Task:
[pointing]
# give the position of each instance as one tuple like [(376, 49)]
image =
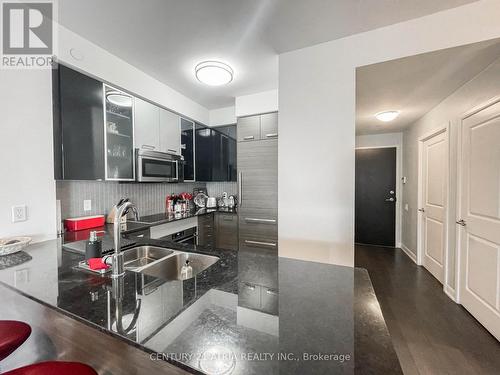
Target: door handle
[(391, 199), (240, 188), (263, 221), (270, 244), (461, 222), (421, 210)]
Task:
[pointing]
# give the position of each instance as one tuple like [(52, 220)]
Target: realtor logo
[(27, 34)]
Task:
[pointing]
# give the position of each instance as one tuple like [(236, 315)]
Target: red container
[(80, 223)]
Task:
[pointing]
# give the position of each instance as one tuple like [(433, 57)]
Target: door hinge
[(461, 222)]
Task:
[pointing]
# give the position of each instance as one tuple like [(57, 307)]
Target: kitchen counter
[(148, 221), (328, 320)]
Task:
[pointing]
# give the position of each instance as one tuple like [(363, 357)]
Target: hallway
[(431, 334)]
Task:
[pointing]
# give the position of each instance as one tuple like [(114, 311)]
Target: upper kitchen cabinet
[(147, 125), (269, 125), (78, 126), (203, 153), (253, 128), (215, 155), (248, 128), (119, 139), (170, 132), (93, 129), (187, 148)]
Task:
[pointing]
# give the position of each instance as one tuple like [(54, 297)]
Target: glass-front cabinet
[(119, 135)]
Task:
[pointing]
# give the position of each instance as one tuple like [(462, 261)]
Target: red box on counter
[(80, 223)]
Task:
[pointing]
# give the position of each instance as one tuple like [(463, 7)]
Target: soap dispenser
[(93, 247), (186, 271)]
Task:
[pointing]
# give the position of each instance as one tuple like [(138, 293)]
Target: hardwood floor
[(431, 333), (56, 336)]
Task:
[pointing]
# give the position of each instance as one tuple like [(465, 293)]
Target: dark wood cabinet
[(226, 234), (206, 230)]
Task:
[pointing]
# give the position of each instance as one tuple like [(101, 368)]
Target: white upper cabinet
[(147, 125), (170, 132)]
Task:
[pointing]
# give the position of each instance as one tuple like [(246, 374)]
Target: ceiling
[(166, 38), (414, 85)]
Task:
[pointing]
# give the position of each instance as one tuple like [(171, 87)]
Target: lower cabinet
[(206, 230), (257, 297), (226, 235)]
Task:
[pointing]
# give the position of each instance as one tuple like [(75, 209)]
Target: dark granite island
[(316, 319)]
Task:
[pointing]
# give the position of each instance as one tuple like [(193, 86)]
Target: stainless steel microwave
[(155, 166)]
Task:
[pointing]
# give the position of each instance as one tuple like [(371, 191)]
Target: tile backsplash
[(215, 189), (149, 198)]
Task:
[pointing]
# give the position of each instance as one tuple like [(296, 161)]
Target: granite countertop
[(328, 320)]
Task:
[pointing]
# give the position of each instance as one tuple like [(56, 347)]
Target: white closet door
[(480, 209), (434, 185)]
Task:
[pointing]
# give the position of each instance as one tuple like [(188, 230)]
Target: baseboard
[(451, 293), (409, 253)]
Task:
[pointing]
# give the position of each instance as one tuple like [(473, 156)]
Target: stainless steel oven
[(154, 166), (189, 236)]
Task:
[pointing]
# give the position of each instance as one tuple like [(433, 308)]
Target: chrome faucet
[(116, 259)]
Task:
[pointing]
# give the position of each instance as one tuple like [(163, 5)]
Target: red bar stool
[(12, 335), (54, 368)]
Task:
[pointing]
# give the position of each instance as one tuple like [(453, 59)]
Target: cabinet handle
[(174, 151), (264, 221), (148, 147), (248, 137), (270, 244), (271, 292), (271, 135), (251, 287), (240, 188)]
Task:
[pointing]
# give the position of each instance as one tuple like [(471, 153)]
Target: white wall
[(389, 140), (262, 102), (26, 170), (479, 90), (317, 123), (222, 116)]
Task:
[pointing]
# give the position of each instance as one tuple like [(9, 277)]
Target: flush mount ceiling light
[(214, 73), (119, 99), (387, 116)]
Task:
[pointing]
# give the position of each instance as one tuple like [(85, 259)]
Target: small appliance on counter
[(211, 202), (200, 200)]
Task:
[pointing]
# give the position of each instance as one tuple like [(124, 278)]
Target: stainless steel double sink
[(165, 263)]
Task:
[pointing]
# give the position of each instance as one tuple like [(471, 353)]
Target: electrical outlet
[(18, 213), (87, 205), (21, 277)]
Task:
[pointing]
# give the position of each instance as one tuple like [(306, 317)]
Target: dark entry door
[(376, 196)]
